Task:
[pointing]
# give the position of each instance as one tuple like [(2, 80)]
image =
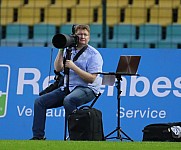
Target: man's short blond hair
[(82, 27)]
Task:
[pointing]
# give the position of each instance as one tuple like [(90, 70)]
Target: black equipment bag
[(85, 124), (168, 132)]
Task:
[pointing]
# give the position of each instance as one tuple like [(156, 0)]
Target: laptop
[(127, 66)]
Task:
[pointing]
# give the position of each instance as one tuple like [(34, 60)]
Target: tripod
[(118, 128)]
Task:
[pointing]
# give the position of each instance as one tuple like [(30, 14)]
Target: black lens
[(63, 40)]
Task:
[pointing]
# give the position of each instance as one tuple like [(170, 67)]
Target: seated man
[(83, 81)]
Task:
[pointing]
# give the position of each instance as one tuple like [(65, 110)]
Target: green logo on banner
[(2, 104), (4, 88)]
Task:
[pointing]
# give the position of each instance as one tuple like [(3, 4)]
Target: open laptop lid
[(128, 65)]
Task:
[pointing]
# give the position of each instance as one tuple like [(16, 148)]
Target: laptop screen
[(128, 64)]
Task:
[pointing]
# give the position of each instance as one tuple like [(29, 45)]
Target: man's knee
[(37, 102)]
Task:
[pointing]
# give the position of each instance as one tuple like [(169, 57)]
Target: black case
[(86, 124), (161, 132)]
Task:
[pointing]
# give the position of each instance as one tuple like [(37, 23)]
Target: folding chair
[(91, 105)]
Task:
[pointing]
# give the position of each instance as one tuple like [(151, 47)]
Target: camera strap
[(79, 53)]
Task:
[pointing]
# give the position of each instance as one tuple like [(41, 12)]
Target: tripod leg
[(110, 133), (126, 135), (118, 134)]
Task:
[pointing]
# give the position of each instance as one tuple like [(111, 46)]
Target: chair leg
[(65, 126), (65, 129)]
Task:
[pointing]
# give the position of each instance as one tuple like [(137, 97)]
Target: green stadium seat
[(42, 35), (165, 44), (123, 33), (15, 34), (149, 34), (96, 34), (140, 45), (66, 29), (173, 34)]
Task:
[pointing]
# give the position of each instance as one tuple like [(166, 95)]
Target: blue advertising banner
[(152, 97)]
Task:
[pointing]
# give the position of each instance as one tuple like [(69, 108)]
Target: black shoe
[(38, 138)]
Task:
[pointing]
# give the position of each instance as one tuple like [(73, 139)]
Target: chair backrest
[(6, 15), (28, 15), (169, 3), (64, 3), (150, 32), (17, 32), (143, 3), (96, 31), (11, 3), (55, 15), (37, 3), (161, 16), (90, 3), (66, 29), (43, 32), (173, 32), (135, 15), (112, 15), (82, 15), (117, 3), (124, 32)]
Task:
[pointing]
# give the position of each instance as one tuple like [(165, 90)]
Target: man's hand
[(69, 64)]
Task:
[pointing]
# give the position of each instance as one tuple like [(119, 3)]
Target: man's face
[(84, 36)]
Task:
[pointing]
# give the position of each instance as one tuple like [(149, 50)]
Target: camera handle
[(68, 57), (66, 70)]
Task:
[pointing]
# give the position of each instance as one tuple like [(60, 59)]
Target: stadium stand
[(179, 16), (112, 17), (37, 3), (143, 3), (6, 16), (96, 34), (161, 16), (172, 39), (64, 3), (42, 35), (149, 35), (169, 3), (122, 35), (131, 16), (1, 34), (29, 16), (81, 15), (16, 34), (135, 15), (55, 16), (66, 29), (117, 3), (89, 4), (11, 3)]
